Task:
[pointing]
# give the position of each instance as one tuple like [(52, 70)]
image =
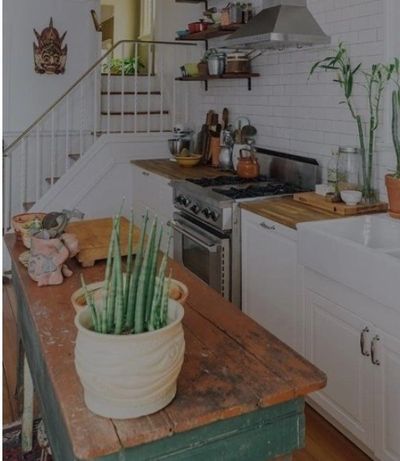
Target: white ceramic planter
[(127, 376)]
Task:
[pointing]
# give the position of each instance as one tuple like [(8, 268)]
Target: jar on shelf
[(349, 169)]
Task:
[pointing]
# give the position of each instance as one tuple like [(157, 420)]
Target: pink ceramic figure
[(47, 259)]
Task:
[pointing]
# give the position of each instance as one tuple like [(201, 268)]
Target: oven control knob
[(179, 199), (214, 215), (206, 212), (195, 208), (186, 201)]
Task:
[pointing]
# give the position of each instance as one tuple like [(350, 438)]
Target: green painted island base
[(271, 433)]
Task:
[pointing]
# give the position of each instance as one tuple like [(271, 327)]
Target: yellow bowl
[(188, 161)]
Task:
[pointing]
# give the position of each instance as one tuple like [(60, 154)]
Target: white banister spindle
[(7, 181), (122, 86), (161, 55), (38, 167), (23, 175), (95, 107), (53, 149), (136, 89), (109, 97), (149, 65), (67, 134), (81, 118)]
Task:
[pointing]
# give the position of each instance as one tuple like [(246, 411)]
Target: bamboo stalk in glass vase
[(373, 83), (392, 181)]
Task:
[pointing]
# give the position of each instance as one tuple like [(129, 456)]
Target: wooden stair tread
[(139, 112), (105, 74), (139, 93), (99, 133), (28, 205), (55, 179)]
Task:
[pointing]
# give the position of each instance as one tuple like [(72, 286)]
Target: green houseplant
[(392, 181), (128, 65), (130, 345), (374, 84)]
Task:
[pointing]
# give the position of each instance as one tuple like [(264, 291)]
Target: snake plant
[(137, 300), (374, 83)]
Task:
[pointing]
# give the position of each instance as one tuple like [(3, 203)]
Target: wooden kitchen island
[(240, 393)]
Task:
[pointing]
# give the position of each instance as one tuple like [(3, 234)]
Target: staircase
[(97, 104)]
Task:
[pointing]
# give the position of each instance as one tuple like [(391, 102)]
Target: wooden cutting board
[(94, 237), (318, 201)]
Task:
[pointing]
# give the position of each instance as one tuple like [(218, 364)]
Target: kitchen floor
[(323, 441)]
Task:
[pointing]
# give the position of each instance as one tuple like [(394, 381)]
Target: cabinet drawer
[(268, 225)]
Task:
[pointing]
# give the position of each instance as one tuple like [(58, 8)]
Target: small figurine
[(48, 256)]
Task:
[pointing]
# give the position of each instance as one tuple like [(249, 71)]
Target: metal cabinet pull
[(374, 360), (266, 226), (362, 342), (144, 173)]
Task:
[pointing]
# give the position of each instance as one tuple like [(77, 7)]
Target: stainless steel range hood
[(281, 24)]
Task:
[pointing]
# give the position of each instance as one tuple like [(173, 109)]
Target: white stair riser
[(129, 103), (141, 124), (143, 83)]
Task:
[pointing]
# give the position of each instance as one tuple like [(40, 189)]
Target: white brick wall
[(301, 116)]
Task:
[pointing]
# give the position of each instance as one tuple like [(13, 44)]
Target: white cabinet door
[(153, 193), (269, 262), (387, 396), (333, 343)]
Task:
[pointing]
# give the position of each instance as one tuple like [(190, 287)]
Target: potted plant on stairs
[(392, 181), (130, 345)]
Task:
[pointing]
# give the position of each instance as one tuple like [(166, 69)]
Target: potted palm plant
[(374, 83), (130, 344), (392, 181)]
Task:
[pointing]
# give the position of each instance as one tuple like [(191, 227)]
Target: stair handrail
[(82, 77)]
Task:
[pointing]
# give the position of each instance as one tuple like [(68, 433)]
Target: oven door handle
[(209, 246)]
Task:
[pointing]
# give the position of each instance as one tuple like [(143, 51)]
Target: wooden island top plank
[(232, 365), (171, 170)]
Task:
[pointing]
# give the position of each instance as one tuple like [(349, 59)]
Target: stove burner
[(226, 181), (258, 191)]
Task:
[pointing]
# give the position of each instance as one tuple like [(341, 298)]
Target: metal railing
[(99, 102)]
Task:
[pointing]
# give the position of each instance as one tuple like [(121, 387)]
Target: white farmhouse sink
[(373, 231), (361, 252)]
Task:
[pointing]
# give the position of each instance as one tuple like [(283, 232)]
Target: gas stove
[(211, 199), (207, 227), (227, 181)]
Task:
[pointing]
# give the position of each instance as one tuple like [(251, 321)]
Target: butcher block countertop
[(171, 170), (233, 369), (287, 211)]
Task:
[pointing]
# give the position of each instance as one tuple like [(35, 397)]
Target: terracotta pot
[(393, 191), (127, 376)]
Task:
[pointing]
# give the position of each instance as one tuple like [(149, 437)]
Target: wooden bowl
[(21, 222), (188, 161)]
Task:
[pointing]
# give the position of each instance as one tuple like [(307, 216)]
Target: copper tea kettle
[(248, 166)]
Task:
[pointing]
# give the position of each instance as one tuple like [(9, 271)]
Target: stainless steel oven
[(204, 251)]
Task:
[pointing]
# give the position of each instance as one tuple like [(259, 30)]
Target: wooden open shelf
[(211, 32), (206, 78)]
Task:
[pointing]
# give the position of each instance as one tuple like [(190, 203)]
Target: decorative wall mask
[(50, 57)]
